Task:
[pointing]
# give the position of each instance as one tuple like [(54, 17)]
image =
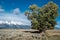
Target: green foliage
[(44, 17), (35, 23)]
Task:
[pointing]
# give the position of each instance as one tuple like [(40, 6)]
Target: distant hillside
[(12, 26)]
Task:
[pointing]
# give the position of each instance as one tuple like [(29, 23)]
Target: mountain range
[(13, 25)]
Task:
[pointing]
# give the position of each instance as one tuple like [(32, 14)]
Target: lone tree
[(43, 18)]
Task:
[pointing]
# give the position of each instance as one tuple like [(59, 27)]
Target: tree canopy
[(43, 17)]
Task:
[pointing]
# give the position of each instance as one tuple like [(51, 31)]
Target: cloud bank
[(15, 16)]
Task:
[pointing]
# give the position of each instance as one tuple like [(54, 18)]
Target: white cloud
[(14, 17), (1, 9), (58, 24), (16, 11)]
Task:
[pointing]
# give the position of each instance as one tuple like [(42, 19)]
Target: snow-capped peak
[(11, 22)]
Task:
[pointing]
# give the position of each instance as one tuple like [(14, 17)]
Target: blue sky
[(9, 8)]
